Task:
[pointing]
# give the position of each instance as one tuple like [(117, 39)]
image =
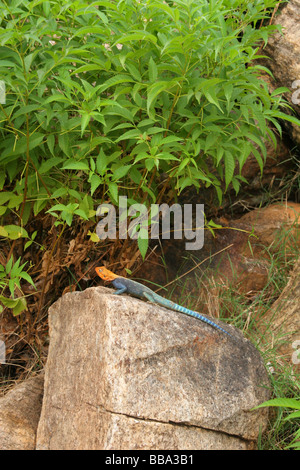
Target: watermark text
[(296, 353), (2, 92), (146, 223), (2, 352)]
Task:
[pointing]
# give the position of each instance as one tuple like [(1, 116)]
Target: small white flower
[(270, 367)]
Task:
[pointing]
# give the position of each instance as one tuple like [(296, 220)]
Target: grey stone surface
[(126, 374)]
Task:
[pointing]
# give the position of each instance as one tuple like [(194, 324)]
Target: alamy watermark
[(296, 353), (145, 223), (2, 352), (2, 92), (296, 93)]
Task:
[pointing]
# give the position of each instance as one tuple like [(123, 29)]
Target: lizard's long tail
[(179, 308)]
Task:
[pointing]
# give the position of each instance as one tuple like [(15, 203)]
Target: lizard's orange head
[(105, 274)]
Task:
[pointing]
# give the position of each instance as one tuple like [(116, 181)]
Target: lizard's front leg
[(120, 291), (119, 286)]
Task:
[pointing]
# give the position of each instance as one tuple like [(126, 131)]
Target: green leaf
[(2, 179), (143, 244), (93, 237), (48, 164), (280, 90), (7, 63), (88, 68), (121, 172), (120, 111), (12, 283), (101, 162), (20, 306), (212, 98), (81, 213), (64, 144), (136, 36), (21, 146), (51, 143), (59, 193), (134, 72), (258, 159), (115, 81), (219, 194), (14, 232), (10, 303), (154, 90), (39, 205), (27, 278), (220, 153), (182, 165), (229, 167), (295, 414), (46, 8), (284, 402), (150, 162), (85, 119), (114, 191), (184, 183), (170, 139), (173, 13), (57, 207), (133, 133), (27, 110), (90, 30), (210, 141), (75, 165), (135, 175), (166, 156), (286, 117), (152, 70), (95, 183), (5, 196), (15, 200), (57, 97), (9, 264)]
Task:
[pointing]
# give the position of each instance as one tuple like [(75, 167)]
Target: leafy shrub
[(110, 97), (101, 95)]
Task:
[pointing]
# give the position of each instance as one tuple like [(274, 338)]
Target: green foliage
[(116, 90), (290, 403), (10, 276), (104, 97)]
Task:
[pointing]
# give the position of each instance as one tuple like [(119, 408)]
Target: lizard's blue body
[(136, 289)]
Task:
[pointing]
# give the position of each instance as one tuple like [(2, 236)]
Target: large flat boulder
[(126, 374)]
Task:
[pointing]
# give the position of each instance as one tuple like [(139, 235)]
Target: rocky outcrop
[(247, 244), (19, 414), (126, 374), (283, 50), (281, 324), (272, 227)]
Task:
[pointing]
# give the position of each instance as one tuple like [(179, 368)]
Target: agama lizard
[(136, 289)]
